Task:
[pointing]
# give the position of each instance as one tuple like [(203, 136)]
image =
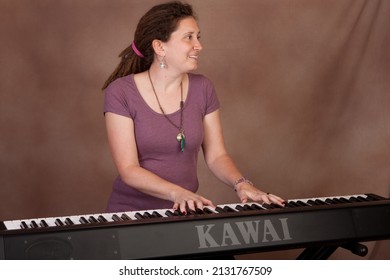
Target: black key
[(177, 213), (320, 202), (337, 200), (125, 217), (225, 209), (329, 201), (353, 199), (292, 204), (68, 222), (228, 209), (101, 219), (83, 220), (139, 216), (200, 211), (275, 206), (207, 211), (244, 207), (364, 198), (256, 207), (147, 215), (34, 224), (116, 218), (23, 225), (191, 213), (374, 197), (268, 206), (316, 202), (92, 220), (312, 202), (58, 222), (301, 203), (344, 200), (169, 213), (155, 214), (43, 223), (356, 199), (248, 207)]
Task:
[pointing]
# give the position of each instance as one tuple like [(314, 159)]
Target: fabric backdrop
[(304, 87)]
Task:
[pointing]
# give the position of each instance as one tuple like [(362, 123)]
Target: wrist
[(240, 181)]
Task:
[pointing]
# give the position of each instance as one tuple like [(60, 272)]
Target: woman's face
[(183, 48)]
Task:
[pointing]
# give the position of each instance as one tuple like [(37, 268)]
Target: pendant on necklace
[(182, 139)]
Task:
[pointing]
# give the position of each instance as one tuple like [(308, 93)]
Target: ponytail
[(130, 64)]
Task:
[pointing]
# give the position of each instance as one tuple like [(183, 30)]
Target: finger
[(277, 200), (183, 207), (207, 202), (191, 205), (275, 196), (175, 206), (265, 199), (202, 202), (199, 204), (244, 198)]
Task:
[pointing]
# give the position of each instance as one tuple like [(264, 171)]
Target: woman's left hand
[(246, 191)]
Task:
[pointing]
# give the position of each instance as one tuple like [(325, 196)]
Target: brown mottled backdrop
[(304, 87)]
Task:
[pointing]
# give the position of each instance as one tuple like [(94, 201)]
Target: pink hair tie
[(137, 52)]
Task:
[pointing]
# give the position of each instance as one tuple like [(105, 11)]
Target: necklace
[(180, 136)]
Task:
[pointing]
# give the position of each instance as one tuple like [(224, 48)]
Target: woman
[(158, 115)]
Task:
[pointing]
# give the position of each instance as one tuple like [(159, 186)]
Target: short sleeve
[(212, 102), (116, 99)]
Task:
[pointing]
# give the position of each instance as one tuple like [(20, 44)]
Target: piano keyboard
[(167, 213), (227, 229)]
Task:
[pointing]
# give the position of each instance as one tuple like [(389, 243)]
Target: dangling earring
[(163, 65)]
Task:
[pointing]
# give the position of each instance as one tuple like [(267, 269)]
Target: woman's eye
[(190, 37)]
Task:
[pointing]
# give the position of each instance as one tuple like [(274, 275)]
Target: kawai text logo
[(239, 233)]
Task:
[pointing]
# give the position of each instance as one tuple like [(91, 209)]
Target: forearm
[(149, 183), (225, 170)]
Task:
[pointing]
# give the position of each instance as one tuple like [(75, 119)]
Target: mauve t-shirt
[(158, 149)]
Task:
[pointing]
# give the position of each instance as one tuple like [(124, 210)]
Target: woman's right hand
[(185, 200)]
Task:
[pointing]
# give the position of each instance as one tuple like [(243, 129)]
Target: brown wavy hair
[(158, 23)]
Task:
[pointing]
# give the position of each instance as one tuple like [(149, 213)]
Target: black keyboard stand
[(324, 252)]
